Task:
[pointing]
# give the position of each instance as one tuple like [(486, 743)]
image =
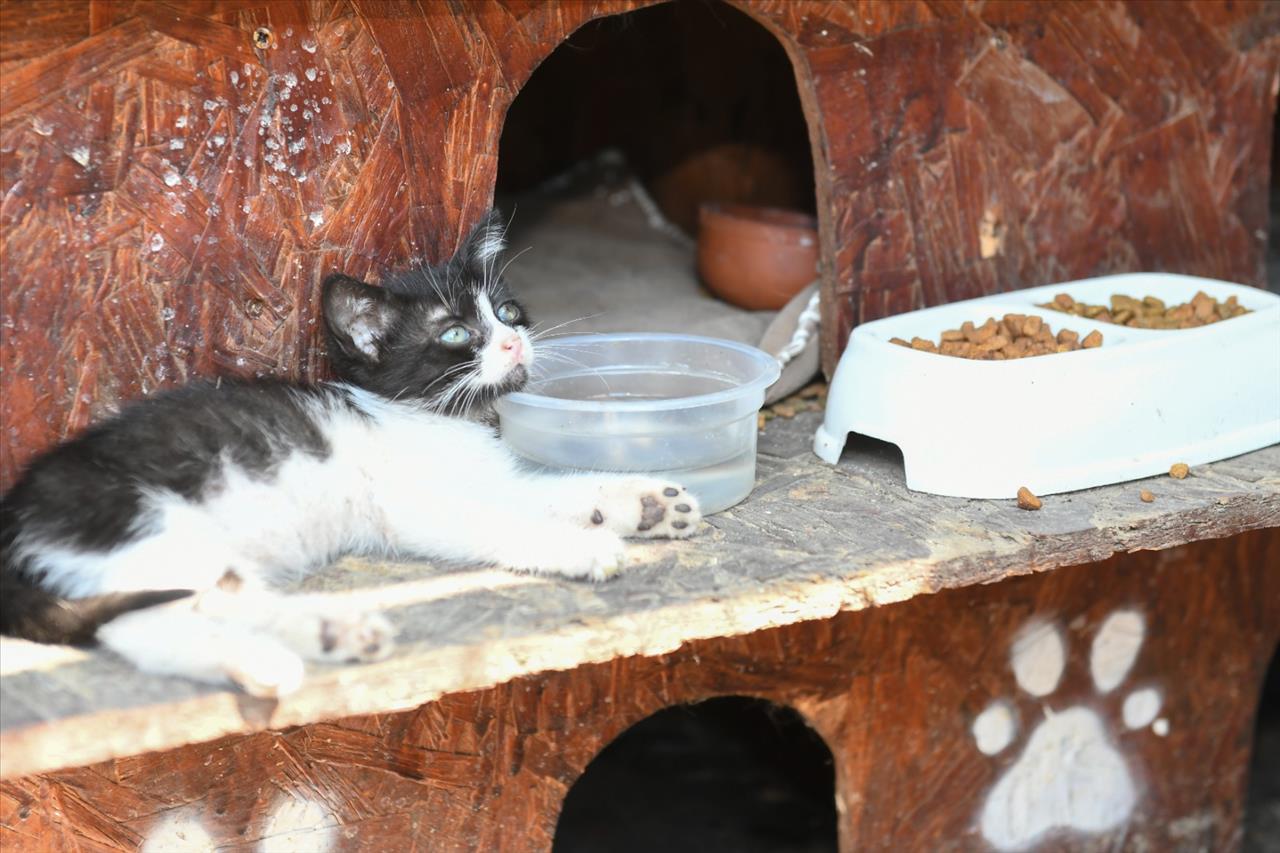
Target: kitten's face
[(452, 336)]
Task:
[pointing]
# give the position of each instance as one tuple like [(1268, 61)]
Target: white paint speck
[(81, 155), (290, 79), (297, 145), (994, 728), (1160, 727), (309, 44), (1038, 657), (172, 178), (218, 140), (311, 73), (210, 106), (180, 122), (1140, 707), (235, 77), (167, 314), (157, 243), (1116, 648), (177, 144), (317, 218), (41, 126)]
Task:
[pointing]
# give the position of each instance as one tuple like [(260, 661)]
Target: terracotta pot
[(756, 257)]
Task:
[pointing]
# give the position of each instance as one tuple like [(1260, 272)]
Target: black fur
[(410, 360), (87, 494)]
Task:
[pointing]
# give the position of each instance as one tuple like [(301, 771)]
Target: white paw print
[(1070, 774)]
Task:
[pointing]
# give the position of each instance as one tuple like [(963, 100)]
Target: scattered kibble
[(811, 398), (1146, 496), (1012, 336), (1150, 312), (1026, 500), (1179, 471)]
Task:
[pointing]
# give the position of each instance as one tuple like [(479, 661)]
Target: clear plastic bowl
[(680, 407)]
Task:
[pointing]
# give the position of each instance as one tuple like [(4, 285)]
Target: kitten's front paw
[(647, 508), (594, 555)]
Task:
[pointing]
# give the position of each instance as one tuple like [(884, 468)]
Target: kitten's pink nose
[(514, 346)]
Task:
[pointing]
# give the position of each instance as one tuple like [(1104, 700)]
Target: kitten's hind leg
[(631, 506), (176, 639), (314, 628)]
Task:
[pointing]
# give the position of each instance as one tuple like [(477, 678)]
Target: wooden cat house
[(179, 175)]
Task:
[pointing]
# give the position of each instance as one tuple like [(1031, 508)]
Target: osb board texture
[(811, 542), (892, 691), (172, 196)]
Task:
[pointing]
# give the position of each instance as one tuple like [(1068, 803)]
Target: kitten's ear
[(358, 315), (485, 242)]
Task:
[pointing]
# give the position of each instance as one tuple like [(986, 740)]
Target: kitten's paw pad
[(267, 673), (362, 638), (650, 509)]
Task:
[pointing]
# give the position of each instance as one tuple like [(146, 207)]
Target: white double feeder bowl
[(1130, 408)]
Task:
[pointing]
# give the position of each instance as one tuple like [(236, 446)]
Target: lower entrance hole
[(731, 773)]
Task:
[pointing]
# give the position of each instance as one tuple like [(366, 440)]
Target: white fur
[(491, 245), (496, 361), (397, 480)]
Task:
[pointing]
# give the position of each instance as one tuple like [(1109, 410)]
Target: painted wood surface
[(811, 542), (173, 193), (957, 721)]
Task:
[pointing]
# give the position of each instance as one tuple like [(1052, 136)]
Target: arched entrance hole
[(731, 773), (614, 142)]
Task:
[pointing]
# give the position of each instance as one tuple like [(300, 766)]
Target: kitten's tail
[(32, 613)]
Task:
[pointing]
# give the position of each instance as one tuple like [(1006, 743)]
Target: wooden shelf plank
[(812, 541)]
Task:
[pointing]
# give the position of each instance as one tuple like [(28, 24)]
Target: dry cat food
[(1012, 336), (1179, 471), (1026, 500), (1150, 312)]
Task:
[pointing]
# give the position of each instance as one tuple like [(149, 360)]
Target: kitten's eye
[(508, 312), (455, 336)]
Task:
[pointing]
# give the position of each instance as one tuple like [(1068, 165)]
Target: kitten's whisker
[(511, 259), (561, 357), (537, 334)]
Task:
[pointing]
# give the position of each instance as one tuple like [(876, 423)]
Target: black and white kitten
[(161, 533)]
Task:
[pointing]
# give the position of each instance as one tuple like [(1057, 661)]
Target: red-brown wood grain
[(172, 194), (894, 692)]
